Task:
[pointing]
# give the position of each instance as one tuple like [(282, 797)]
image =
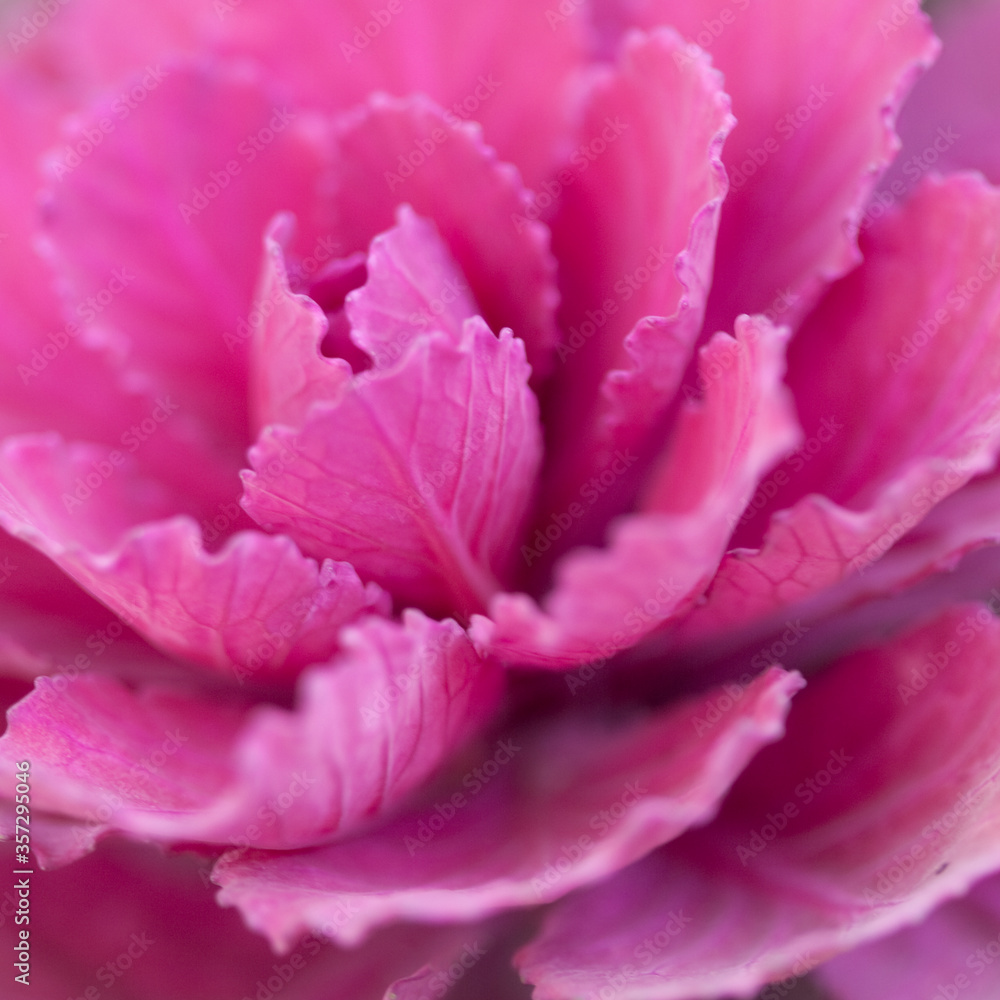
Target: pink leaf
[(335, 57), (658, 561), (150, 920), (288, 372), (895, 376), (543, 813), (160, 228), (413, 286), (634, 234), (420, 478), (371, 726), (392, 152), (256, 609), (816, 88), (879, 804), (952, 953)]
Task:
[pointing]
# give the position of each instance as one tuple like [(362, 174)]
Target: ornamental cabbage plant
[(499, 499)]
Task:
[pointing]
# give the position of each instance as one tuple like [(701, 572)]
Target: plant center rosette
[(421, 479)]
